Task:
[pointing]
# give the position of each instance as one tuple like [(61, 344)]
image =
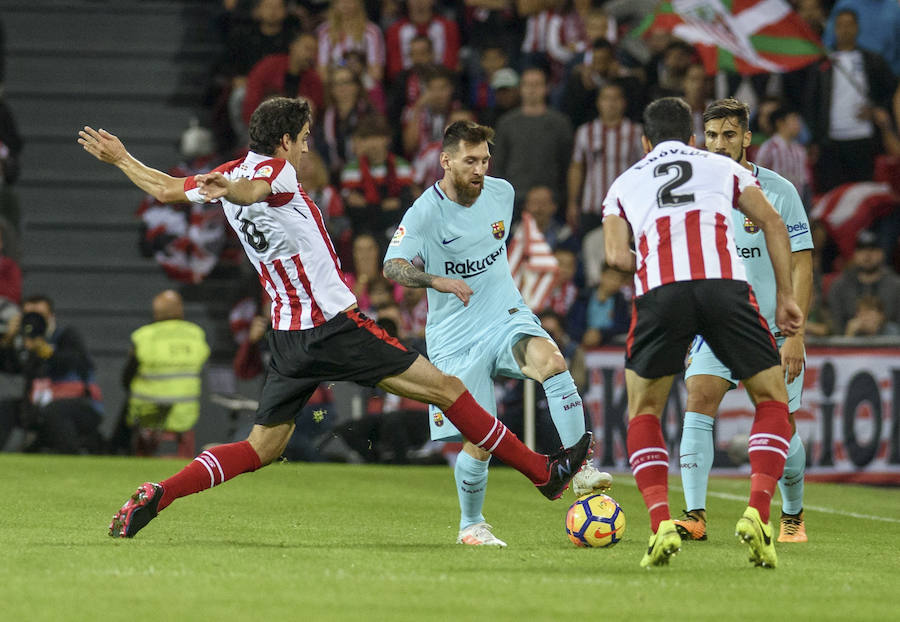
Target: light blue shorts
[(701, 360), (479, 365)]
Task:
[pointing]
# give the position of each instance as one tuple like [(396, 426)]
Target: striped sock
[(210, 468), (769, 442), (649, 461), (490, 434)]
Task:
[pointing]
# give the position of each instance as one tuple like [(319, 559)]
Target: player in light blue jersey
[(707, 379), (478, 325)]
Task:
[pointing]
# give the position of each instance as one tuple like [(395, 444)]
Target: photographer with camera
[(62, 407)]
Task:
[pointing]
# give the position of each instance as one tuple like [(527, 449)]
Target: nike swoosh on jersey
[(301, 213), (565, 397), (450, 240)]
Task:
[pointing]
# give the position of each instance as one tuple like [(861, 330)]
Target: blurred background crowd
[(563, 82)]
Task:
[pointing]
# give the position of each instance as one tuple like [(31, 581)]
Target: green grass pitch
[(340, 542)]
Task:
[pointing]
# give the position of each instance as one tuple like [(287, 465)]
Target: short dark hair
[(780, 113), (439, 72), (468, 132), (602, 43), (668, 118), (372, 125), (849, 10), (274, 118), (39, 298), (727, 108)]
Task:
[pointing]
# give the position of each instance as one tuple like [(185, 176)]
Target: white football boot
[(479, 534), (590, 481)]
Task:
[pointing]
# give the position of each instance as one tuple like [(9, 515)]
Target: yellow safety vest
[(165, 393)]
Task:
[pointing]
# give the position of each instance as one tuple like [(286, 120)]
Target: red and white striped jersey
[(605, 152), (285, 239), (788, 159), (678, 201), (333, 47)]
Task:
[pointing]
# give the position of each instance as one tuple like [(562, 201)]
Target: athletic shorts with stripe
[(724, 312), (349, 347), (702, 361)]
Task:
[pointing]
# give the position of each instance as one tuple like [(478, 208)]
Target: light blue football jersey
[(751, 242), (467, 243)]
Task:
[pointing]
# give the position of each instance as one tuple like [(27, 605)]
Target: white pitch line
[(814, 508)]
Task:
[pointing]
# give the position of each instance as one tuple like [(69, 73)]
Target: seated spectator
[(346, 29), (413, 316), (409, 84), (488, 23), (367, 269), (62, 404), (565, 292), (542, 205), (424, 122), (162, 374), (376, 185), (505, 87), (667, 76), (870, 320), (783, 154), (12, 384), (606, 310), (695, 90), (599, 68), (866, 275), (421, 19), (555, 325), (187, 240), (289, 75), (346, 103), (10, 275)]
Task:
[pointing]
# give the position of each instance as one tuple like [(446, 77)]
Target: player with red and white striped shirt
[(421, 20), (319, 333), (677, 203)]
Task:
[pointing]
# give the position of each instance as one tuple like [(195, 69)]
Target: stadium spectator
[(269, 31), (310, 350), (879, 25), (783, 154), (10, 273), (603, 312), (63, 404), (356, 62), (346, 29), (12, 384), (584, 81), (421, 19), (327, 197), (843, 91), (366, 269), (409, 84), (346, 104), (413, 317), (811, 12), (10, 151), (870, 320), (533, 144), (487, 23), (162, 376), (565, 291), (186, 240), (604, 149), (424, 121), (666, 76), (866, 275), (695, 90), (505, 87), (376, 185), (481, 95), (291, 75), (542, 205)]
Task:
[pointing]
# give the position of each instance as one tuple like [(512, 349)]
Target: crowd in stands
[(564, 84)]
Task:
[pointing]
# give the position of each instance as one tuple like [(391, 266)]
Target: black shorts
[(666, 319), (348, 347)]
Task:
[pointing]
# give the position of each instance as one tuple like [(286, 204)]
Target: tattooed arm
[(402, 272)]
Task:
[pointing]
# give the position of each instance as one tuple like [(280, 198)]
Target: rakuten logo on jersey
[(800, 227), (471, 267), (749, 253)]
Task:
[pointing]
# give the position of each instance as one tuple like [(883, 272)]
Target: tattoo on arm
[(403, 272)]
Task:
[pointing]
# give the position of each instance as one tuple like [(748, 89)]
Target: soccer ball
[(595, 521)]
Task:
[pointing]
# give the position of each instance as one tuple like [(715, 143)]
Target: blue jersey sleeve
[(409, 238), (786, 201)]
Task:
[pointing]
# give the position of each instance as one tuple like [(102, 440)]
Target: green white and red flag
[(743, 36)]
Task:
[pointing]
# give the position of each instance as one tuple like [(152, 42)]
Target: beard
[(465, 191)]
